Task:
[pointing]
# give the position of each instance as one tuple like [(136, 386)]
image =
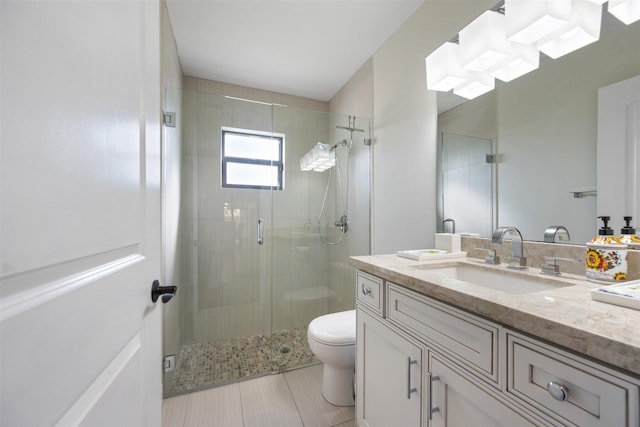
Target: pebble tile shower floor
[(203, 365)]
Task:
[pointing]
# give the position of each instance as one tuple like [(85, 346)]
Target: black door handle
[(167, 292)]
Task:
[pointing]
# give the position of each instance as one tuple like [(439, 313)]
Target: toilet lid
[(335, 328)]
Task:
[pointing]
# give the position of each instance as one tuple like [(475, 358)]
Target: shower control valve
[(343, 223)]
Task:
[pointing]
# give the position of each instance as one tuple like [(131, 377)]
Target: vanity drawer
[(471, 340), (591, 396), (370, 292)]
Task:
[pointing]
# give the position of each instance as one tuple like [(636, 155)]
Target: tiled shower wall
[(234, 287)]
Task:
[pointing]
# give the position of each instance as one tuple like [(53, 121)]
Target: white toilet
[(332, 339)]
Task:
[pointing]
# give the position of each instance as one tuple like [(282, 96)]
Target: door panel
[(389, 389), (619, 151), (461, 403), (80, 213)]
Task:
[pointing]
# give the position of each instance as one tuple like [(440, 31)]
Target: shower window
[(252, 159)]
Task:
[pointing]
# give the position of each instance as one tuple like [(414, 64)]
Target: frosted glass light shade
[(628, 11), (320, 158), (444, 71), (581, 30), (522, 59), (483, 43), (528, 21), (476, 85)]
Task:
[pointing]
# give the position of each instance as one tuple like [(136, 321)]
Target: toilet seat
[(335, 329)]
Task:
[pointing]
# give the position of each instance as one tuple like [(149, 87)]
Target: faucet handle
[(551, 267), (491, 257), (517, 262)]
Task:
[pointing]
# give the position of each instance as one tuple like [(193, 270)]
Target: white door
[(80, 213), (619, 152)]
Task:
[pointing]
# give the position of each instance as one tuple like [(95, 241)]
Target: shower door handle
[(260, 231)]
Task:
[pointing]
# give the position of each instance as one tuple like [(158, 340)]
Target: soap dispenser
[(606, 259), (628, 235)]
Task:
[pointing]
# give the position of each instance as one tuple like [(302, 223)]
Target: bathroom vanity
[(433, 349)]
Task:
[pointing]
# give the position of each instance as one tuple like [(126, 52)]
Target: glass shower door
[(466, 187)]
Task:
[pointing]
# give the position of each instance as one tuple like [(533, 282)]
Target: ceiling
[(307, 48)]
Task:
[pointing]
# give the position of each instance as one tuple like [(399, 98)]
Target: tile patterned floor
[(293, 399), (203, 365)]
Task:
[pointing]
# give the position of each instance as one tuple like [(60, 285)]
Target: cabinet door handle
[(409, 388), (558, 391), (432, 410), (365, 290)]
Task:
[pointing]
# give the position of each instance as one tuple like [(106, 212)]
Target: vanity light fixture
[(483, 43), (628, 11), (477, 84), (505, 42), (484, 47), (444, 68), (529, 21), (320, 158), (581, 30), (522, 59)]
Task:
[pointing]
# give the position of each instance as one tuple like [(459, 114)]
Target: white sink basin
[(500, 279)]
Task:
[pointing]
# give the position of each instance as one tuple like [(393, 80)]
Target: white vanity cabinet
[(421, 362)]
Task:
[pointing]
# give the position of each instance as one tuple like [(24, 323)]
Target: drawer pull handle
[(365, 290), (432, 410), (558, 391), (409, 388)]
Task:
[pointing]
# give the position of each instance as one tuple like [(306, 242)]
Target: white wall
[(354, 98), (405, 126)]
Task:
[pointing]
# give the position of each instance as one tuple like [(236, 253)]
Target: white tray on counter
[(624, 294), (429, 254)]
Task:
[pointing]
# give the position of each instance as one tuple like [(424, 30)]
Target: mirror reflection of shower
[(323, 157)]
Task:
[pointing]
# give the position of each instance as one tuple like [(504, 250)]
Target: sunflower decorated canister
[(606, 259)]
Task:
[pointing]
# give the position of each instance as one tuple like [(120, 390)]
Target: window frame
[(225, 160)]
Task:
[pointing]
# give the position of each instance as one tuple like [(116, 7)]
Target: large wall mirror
[(543, 132)]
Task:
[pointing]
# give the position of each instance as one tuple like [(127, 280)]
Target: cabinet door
[(389, 376), (456, 401)]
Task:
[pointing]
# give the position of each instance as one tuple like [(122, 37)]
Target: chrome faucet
[(517, 259), (453, 225), (553, 231)]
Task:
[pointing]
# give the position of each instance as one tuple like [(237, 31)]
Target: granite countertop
[(566, 316)]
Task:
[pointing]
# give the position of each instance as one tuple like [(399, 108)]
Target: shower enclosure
[(256, 262)]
